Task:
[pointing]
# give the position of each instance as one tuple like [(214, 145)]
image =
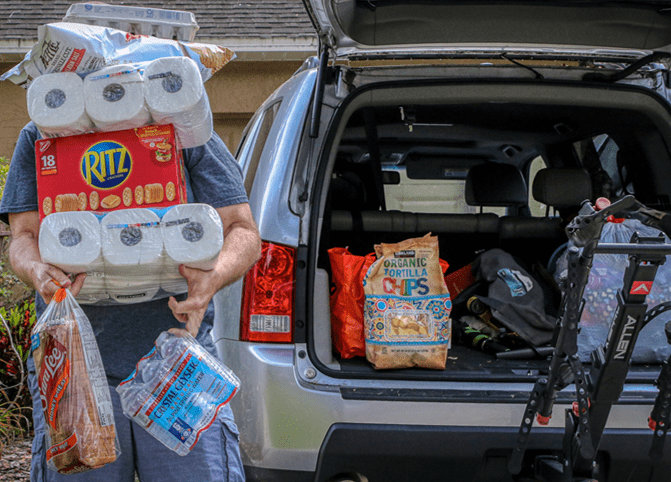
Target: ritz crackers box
[(106, 171)]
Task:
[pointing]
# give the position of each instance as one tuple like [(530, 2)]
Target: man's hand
[(46, 279), (202, 287), (242, 248), (24, 256)]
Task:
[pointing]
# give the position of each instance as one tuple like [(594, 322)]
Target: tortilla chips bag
[(407, 309)]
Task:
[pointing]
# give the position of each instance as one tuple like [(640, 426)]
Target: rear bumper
[(293, 428), (464, 454), (258, 474)]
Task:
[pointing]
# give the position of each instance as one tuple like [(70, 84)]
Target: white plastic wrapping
[(71, 241), (80, 48), (192, 235), (175, 94), (176, 391), (132, 250), (56, 105), (605, 280), (114, 98), (169, 91), (132, 255), (130, 238)]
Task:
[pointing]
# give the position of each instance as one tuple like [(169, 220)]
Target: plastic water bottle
[(176, 391)]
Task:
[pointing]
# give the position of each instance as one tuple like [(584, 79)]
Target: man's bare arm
[(24, 256)]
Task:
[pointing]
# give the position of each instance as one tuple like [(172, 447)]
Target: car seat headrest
[(562, 187), (495, 184)]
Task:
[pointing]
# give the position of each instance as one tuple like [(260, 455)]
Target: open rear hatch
[(416, 143), (575, 28)]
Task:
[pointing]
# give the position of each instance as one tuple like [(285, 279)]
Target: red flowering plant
[(15, 343), (17, 317), (15, 327)]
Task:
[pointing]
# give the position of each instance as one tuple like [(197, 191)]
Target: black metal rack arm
[(599, 389)]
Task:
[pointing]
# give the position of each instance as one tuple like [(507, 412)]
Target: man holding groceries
[(126, 333)]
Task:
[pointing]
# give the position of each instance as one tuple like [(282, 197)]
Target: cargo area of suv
[(462, 162)]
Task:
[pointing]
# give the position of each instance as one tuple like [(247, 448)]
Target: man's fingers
[(193, 325), (178, 331), (57, 279), (189, 305), (173, 304), (187, 272), (77, 284), (50, 282), (188, 312)]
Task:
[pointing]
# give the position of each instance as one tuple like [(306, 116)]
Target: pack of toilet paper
[(167, 90), (132, 255), (82, 48)]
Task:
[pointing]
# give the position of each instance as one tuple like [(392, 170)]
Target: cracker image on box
[(170, 191), (66, 202), (83, 201), (94, 200), (110, 202), (106, 171), (139, 195), (153, 193), (127, 196), (47, 205)]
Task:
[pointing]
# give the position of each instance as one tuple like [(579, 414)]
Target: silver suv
[(399, 128)]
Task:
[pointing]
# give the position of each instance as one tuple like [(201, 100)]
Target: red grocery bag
[(459, 280), (347, 297)]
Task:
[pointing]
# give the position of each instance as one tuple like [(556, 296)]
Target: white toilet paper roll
[(114, 98), (175, 94), (56, 105), (131, 237), (192, 235), (71, 241)]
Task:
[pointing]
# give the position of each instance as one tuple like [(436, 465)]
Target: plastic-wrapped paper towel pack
[(167, 90), (132, 255)]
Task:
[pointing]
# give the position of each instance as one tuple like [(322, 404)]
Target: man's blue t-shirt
[(125, 333)]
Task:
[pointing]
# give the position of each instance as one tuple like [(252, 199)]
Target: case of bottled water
[(176, 391)]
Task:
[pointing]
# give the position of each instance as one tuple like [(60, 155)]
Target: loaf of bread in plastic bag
[(76, 403)]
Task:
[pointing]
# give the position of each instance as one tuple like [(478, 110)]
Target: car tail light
[(268, 296)]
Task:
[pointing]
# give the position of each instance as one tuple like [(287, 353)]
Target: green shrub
[(14, 420), (4, 169), (17, 317), (15, 327)]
